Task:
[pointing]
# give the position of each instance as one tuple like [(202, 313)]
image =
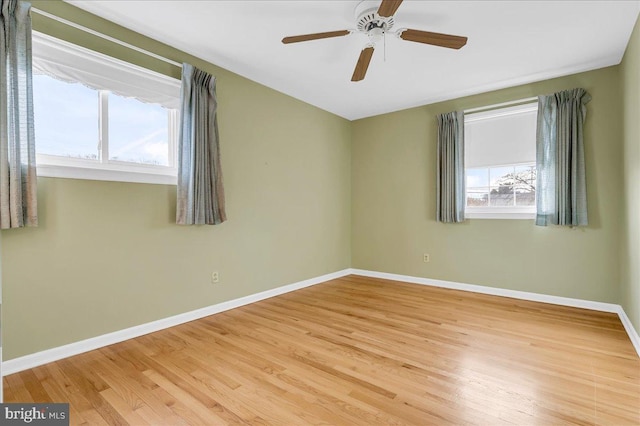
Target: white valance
[(72, 63)]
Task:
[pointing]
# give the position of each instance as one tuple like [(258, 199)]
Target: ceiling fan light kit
[(376, 20)]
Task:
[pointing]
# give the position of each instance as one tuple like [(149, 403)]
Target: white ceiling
[(510, 43)]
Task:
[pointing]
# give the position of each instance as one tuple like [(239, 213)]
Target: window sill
[(500, 215), (168, 177)]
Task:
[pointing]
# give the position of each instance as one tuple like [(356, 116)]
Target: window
[(500, 161), (100, 118)]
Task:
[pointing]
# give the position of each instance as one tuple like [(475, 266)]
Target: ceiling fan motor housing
[(369, 22)]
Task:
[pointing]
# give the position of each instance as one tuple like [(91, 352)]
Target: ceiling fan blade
[(315, 36), (388, 7), (436, 39), (363, 64)]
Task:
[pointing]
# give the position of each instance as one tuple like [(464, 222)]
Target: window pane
[(66, 118), (477, 187), (477, 177), (525, 185), (138, 132), (478, 196), (501, 193)]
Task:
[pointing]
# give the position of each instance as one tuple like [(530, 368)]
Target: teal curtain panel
[(561, 186), (200, 188), (450, 190), (18, 194)]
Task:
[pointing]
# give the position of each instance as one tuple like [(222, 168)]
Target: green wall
[(108, 255), (630, 258), (393, 204)]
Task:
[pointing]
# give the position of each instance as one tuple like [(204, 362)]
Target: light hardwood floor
[(358, 351)]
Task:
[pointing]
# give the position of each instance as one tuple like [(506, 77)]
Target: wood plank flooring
[(357, 351)]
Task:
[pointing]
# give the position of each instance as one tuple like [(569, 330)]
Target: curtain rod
[(503, 104), (105, 37)]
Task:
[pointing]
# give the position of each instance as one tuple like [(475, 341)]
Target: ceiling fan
[(376, 22)]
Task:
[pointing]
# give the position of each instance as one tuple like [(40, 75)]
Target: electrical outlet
[(215, 277), (425, 258)]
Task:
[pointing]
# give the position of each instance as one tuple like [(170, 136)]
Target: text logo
[(34, 414)]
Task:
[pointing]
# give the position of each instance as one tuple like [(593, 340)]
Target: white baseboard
[(515, 294), (631, 331), (50, 355), (39, 358)]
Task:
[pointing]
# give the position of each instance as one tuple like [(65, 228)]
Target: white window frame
[(501, 212), (104, 168)]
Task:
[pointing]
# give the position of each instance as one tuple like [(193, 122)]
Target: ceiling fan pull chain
[(384, 47)]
